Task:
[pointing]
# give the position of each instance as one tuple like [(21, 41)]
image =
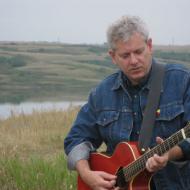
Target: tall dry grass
[(31, 151)]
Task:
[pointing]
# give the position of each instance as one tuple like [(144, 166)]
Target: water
[(6, 110)]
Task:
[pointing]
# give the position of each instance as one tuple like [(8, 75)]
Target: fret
[(187, 130), (178, 138), (172, 141), (167, 145), (183, 134)]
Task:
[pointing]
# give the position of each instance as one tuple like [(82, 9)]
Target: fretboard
[(139, 165)]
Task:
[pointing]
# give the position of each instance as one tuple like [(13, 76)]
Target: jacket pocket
[(107, 122), (107, 117), (169, 120), (170, 111)]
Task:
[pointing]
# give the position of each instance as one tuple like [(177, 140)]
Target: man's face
[(133, 57)]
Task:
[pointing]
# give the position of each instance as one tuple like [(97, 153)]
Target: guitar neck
[(139, 165)]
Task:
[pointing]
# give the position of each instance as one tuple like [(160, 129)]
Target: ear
[(112, 55), (149, 44)]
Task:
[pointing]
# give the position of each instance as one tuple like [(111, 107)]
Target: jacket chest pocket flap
[(107, 117), (169, 120), (170, 111)]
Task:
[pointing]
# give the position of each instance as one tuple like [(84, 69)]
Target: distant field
[(55, 71)]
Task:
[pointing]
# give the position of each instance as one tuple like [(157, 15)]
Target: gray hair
[(124, 28)]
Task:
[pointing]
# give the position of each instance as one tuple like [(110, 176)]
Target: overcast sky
[(86, 21)]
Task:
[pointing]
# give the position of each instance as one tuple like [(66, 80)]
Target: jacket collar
[(119, 82)]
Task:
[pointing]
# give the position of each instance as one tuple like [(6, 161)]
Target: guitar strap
[(152, 106)]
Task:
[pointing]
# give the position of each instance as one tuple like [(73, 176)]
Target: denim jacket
[(107, 117)]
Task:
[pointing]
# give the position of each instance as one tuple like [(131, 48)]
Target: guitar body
[(124, 154)]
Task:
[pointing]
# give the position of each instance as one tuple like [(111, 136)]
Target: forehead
[(136, 41)]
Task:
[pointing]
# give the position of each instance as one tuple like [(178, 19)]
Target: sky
[(86, 21)]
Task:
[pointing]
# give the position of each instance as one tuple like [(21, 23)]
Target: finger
[(113, 182), (108, 180), (148, 166), (152, 164), (157, 159), (159, 140), (161, 160), (108, 176), (155, 163), (108, 184)]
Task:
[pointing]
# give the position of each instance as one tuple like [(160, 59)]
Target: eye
[(139, 51), (125, 56)]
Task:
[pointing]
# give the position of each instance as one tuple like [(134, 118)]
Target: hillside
[(56, 72)]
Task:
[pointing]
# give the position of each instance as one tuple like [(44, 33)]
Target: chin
[(138, 79)]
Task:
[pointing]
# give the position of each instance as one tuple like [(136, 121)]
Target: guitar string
[(170, 142), (160, 150), (139, 164)]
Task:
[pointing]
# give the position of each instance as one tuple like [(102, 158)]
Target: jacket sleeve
[(84, 135), (185, 145)]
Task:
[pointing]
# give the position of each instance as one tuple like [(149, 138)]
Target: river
[(7, 109)]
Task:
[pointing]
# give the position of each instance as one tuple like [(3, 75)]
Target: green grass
[(36, 174), (31, 151)]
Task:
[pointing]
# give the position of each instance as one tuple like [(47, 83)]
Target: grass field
[(34, 72), (31, 151), (55, 71)]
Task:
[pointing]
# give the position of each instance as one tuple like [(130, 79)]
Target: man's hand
[(96, 180), (157, 162), (99, 180)]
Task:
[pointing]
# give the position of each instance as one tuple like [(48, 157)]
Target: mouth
[(135, 69)]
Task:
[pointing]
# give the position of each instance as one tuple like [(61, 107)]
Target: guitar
[(128, 163)]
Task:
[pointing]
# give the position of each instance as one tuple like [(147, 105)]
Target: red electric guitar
[(129, 165)]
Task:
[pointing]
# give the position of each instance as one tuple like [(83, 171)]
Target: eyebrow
[(141, 49)]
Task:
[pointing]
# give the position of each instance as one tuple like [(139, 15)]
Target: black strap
[(152, 106)]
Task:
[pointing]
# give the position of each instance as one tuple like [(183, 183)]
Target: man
[(114, 111)]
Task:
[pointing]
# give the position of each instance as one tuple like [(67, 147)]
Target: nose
[(133, 59)]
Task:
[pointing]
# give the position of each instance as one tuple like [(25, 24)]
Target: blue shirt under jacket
[(109, 116)]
